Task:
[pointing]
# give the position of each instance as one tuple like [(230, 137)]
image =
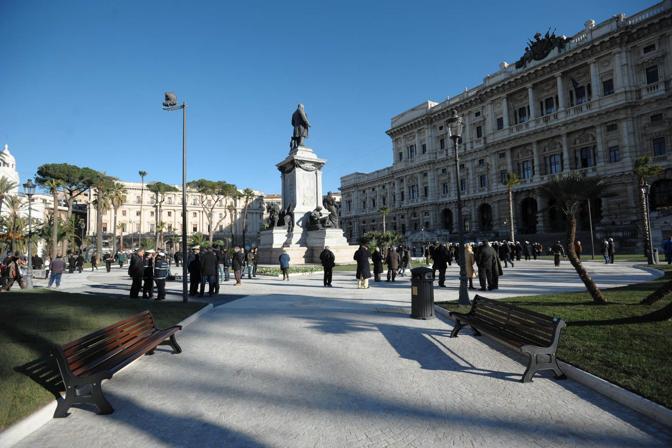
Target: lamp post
[(29, 191), (455, 124), (170, 104), (590, 224), (646, 190)]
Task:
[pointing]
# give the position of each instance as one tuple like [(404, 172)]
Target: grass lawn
[(634, 356), (29, 321)]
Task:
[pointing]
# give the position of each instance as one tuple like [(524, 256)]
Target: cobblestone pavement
[(294, 364)]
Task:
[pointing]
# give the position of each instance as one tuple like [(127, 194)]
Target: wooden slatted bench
[(531, 333), (87, 361)]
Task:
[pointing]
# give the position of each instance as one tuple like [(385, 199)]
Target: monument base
[(304, 247)]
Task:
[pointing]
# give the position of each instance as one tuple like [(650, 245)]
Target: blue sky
[(82, 81)]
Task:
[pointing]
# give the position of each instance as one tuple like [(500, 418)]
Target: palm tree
[(384, 211), (14, 223), (142, 174), (569, 192), (117, 199), (644, 169), (102, 184), (247, 195), (512, 180), (6, 186)]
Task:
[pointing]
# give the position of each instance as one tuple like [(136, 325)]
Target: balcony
[(655, 89)]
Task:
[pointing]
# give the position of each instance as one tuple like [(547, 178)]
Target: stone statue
[(540, 47), (289, 218), (272, 215), (301, 125), (281, 218), (330, 205), (318, 219)]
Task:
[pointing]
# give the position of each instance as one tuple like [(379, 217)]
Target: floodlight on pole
[(170, 104), (29, 191)]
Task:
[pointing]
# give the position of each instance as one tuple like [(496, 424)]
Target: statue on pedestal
[(289, 218), (318, 219), (301, 125), (330, 205), (272, 210)]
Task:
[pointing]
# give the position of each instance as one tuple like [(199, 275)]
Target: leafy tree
[(213, 194), (512, 180), (159, 189), (569, 192), (73, 180), (247, 195), (381, 239), (197, 239), (644, 169)]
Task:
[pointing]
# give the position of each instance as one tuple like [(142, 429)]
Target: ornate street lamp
[(455, 123), (170, 104), (29, 191)]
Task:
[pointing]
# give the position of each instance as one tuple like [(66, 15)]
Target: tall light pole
[(646, 190), (170, 104), (455, 124), (142, 174), (29, 191), (590, 224)]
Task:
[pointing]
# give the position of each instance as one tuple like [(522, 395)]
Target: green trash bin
[(422, 293)]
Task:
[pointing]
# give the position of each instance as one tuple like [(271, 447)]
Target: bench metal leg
[(456, 329), (476, 332), (89, 393), (549, 362), (173, 343)]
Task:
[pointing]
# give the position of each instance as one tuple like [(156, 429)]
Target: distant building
[(592, 103)]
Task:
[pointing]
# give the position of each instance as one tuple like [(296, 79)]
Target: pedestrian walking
[(611, 250), (255, 262), (667, 250), (283, 259), (469, 266), (56, 269), (392, 261), (161, 271), (208, 271), (363, 273), (440, 260), (377, 259), (237, 263), (557, 250), (80, 263), (578, 248), (94, 262), (136, 270), (107, 258), (328, 261), (148, 275), (486, 263), (194, 269)]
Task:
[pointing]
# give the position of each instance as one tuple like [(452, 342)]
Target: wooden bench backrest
[(537, 328), (85, 353)]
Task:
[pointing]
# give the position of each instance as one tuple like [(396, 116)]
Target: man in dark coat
[(377, 259), (148, 277), (363, 274), (557, 250), (527, 250), (237, 264), (72, 261), (485, 262), (328, 262), (80, 263), (392, 261), (441, 263), (301, 125), (208, 270), (194, 268), (136, 270)]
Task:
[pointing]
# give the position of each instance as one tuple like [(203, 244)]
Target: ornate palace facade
[(591, 103)]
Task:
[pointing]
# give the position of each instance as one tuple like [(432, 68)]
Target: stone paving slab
[(298, 365)]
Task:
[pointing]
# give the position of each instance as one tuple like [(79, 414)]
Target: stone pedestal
[(301, 173)]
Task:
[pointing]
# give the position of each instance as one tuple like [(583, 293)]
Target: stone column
[(560, 86), (532, 101), (509, 162), (466, 136), (431, 182), (417, 142), (537, 164), (600, 150), (565, 153), (397, 194), (629, 149), (616, 64), (541, 206), (490, 111), (595, 80), (429, 138), (505, 111)]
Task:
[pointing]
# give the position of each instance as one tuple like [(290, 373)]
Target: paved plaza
[(294, 364)]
